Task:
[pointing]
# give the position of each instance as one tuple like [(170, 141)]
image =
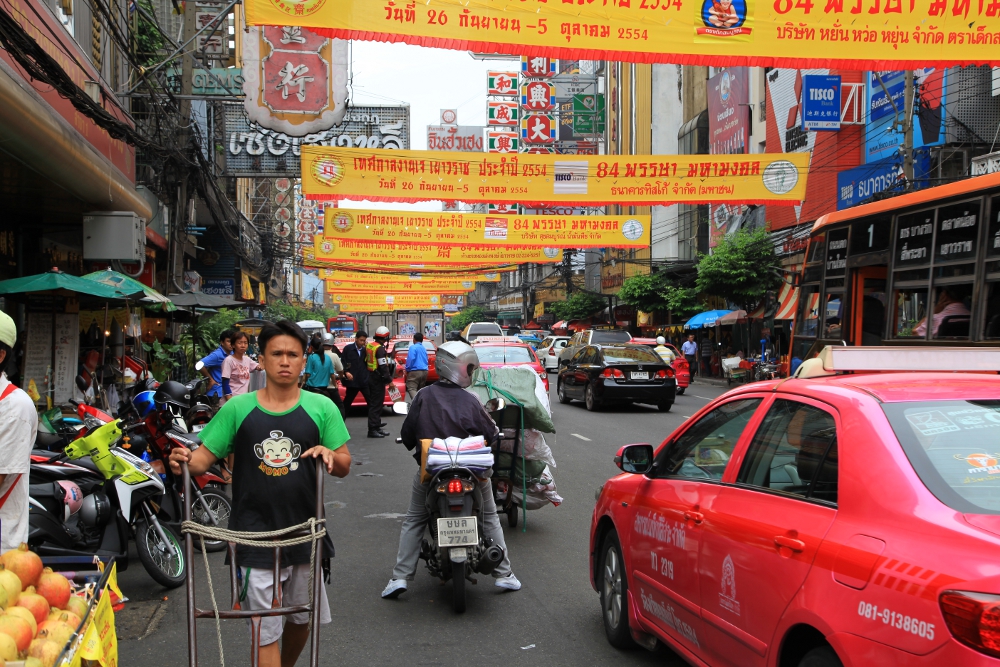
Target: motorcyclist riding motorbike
[(443, 410), (380, 371)]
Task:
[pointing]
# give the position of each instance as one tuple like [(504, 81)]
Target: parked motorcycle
[(121, 496), (457, 548)]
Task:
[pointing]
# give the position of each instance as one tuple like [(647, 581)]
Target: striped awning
[(788, 298)]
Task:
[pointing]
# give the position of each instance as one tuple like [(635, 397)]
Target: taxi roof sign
[(838, 359), (497, 339)]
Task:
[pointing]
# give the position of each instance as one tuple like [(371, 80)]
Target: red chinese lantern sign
[(501, 84), (295, 80), (538, 128), (501, 141), (502, 113), (535, 67), (538, 96)]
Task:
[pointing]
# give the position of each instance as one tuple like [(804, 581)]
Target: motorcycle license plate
[(640, 376), (394, 394), (197, 427), (458, 532)]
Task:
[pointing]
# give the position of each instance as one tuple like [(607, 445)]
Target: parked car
[(549, 351), (476, 329), (398, 379), (399, 346), (506, 351), (849, 516), (617, 373), (682, 369), (531, 339), (594, 336)]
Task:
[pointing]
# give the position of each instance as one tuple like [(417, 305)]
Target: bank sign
[(858, 185), (820, 102)]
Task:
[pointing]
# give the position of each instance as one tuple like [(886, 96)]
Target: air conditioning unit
[(111, 235)]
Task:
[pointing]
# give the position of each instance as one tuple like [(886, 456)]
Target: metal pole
[(908, 128), (189, 577), (317, 607)]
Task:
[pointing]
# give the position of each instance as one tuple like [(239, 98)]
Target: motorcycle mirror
[(400, 408), (198, 366), (82, 384), (495, 404)]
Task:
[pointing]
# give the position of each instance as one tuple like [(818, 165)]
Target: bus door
[(868, 300)]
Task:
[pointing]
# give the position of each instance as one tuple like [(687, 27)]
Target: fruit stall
[(50, 619)]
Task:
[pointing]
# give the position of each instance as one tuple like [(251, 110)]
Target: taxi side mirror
[(635, 459)]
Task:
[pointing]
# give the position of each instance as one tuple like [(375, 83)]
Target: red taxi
[(682, 369), (847, 516), (399, 346), (497, 351), (398, 380)]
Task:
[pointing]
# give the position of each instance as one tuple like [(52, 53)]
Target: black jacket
[(444, 410), (354, 363)]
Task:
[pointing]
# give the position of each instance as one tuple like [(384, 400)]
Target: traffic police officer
[(380, 371)]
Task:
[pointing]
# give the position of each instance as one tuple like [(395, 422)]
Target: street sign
[(216, 81), (501, 84), (588, 114), (536, 67), (538, 128), (538, 96), (502, 112), (820, 102), (502, 141)]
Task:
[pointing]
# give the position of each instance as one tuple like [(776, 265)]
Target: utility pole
[(182, 221), (908, 127)]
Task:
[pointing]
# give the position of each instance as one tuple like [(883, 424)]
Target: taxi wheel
[(561, 393), (680, 391), (824, 656), (592, 402), (614, 593)]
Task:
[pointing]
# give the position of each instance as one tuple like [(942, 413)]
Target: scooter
[(124, 502), (457, 548)]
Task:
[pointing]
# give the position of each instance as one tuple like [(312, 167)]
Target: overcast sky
[(428, 80)]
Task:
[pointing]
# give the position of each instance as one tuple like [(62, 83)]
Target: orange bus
[(919, 269)]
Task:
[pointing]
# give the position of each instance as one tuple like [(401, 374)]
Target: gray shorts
[(296, 588)]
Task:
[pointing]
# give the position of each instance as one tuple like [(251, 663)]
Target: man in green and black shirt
[(273, 433)]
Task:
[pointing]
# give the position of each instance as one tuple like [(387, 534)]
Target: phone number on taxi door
[(900, 621)]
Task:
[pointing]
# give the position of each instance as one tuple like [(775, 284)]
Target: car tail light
[(552, 351), (974, 619), (613, 372), (664, 373)]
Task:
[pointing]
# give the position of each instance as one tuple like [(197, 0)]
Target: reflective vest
[(371, 349)]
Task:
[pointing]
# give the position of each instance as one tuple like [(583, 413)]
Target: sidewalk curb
[(714, 382)]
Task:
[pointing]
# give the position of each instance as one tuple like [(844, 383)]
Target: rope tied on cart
[(260, 539), (490, 388)]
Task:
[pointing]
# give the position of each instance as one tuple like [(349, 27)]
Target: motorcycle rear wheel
[(166, 570), (458, 587), (220, 505)]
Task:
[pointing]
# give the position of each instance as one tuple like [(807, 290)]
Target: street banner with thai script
[(408, 274), (512, 231), (856, 34), (382, 301), (347, 250), (400, 285), (309, 261), (330, 172)]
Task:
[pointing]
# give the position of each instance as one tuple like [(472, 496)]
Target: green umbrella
[(57, 282), (126, 285)]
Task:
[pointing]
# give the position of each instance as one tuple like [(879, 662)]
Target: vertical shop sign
[(820, 102)]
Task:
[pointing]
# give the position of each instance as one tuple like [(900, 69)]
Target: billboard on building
[(883, 137), (728, 100)]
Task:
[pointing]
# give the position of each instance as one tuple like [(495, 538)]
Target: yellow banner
[(330, 250), (397, 285), (379, 302), (856, 34), (330, 172), (512, 231), (349, 275)]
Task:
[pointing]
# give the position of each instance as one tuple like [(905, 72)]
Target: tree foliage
[(465, 318), (657, 293), (742, 269), (578, 306)]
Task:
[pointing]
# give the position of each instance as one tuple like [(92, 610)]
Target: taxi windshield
[(954, 448), (503, 354)]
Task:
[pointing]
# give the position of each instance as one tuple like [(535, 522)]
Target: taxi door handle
[(789, 543), (697, 517)]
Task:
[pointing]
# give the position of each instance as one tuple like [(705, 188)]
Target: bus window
[(991, 327), (910, 309), (834, 316), (951, 317), (807, 322), (816, 248)]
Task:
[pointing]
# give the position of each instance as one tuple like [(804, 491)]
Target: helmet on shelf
[(456, 362)]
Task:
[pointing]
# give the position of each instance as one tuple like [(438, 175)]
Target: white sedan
[(548, 351)]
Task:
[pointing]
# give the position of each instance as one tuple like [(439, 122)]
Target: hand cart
[(509, 420), (313, 532), (733, 369)]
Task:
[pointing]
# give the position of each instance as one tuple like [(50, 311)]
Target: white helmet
[(456, 362), (660, 340), (328, 338), (382, 333)]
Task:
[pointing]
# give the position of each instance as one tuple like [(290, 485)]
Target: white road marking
[(386, 515), (577, 435), (704, 398)]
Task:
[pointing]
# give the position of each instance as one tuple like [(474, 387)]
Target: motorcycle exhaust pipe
[(492, 557)]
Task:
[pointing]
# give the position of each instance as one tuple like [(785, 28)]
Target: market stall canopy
[(732, 317), (561, 324), (126, 285), (201, 300), (706, 319), (57, 282)]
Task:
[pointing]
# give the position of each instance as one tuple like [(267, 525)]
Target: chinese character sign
[(502, 141), (502, 112), (538, 96), (538, 128), (820, 102), (501, 84), (851, 34), (295, 80)]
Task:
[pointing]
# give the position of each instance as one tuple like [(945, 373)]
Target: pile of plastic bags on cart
[(535, 472), (469, 453)]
